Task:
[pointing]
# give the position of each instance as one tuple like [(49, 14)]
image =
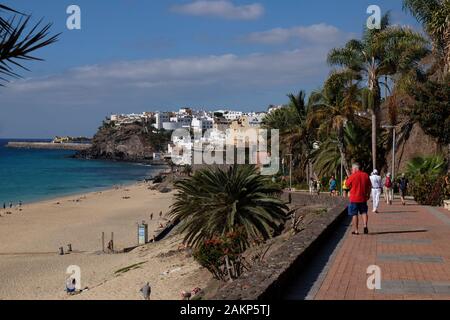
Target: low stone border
[(267, 279)]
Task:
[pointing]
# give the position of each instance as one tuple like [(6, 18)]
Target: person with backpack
[(387, 189)]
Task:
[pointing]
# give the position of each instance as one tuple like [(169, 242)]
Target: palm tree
[(327, 158), (298, 103), (291, 121), (356, 141), (332, 108), (435, 18), (17, 44), (215, 202), (384, 52), (428, 182), (432, 167), (431, 110), (187, 170)]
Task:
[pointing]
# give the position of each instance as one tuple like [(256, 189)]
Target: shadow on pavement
[(308, 281), (398, 232)]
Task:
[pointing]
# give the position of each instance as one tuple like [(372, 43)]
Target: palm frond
[(18, 40)]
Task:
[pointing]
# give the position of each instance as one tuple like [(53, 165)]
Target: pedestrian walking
[(146, 291), (312, 186), (387, 189), (375, 180), (345, 190), (360, 188), (403, 188), (332, 186), (318, 187)]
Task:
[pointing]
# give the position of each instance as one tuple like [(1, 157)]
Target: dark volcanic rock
[(131, 143)]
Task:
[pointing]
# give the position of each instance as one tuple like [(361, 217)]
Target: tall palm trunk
[(375, 103), (374, 139)]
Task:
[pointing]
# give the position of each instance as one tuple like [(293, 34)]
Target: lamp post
[(290, 171), (342, 176)]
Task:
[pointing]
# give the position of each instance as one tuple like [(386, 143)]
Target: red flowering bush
[(222, 256)]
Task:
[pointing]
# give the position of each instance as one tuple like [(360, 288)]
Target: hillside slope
[(133, 143)]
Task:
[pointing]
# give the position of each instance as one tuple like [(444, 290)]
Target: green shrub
[(427, 180), (427, 190)]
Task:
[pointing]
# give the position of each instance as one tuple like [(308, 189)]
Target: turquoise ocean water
[(31, 175)]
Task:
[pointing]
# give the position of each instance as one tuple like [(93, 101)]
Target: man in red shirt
[(360, 188)]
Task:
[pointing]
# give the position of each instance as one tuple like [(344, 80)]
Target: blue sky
[(139, 55)]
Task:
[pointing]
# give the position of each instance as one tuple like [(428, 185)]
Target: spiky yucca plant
[(215, 202)]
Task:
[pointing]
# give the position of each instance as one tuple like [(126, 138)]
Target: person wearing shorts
[(345, 190), (360, 189)]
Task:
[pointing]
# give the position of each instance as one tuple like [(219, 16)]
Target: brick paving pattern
[(410, 244)]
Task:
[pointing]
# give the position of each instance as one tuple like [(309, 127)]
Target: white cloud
[(221, 8), (192, 72), (316, 33), (75, 102)]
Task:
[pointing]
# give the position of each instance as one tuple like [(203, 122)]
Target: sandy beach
[(31, 268)]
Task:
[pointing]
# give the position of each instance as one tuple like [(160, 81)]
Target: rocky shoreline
[(129, 143)]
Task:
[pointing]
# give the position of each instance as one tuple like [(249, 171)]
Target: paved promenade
[(411, 245)]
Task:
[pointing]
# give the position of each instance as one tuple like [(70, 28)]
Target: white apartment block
[(183, 120), (204, 123), (160, 119), (232, 115), (256, 119)]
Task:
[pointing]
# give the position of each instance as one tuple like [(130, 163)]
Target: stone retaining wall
[(266, 280)]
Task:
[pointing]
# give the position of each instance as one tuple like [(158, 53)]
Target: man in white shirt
[(377, 186)]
